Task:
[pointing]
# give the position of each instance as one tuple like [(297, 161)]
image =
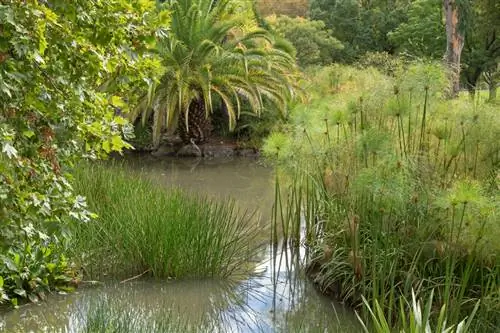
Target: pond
[(275, 298)]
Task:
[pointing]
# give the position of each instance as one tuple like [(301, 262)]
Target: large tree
[(454, 22), (423, 34), (481, 54), (209, 60)]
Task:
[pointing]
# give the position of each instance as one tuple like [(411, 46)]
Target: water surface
[(276, 298)]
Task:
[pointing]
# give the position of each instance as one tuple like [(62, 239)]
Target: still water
[(276, 298)]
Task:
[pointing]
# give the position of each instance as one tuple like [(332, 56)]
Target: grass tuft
[(142, 227)]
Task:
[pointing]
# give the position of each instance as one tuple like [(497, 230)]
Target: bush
[(63, 71), (314, 44)]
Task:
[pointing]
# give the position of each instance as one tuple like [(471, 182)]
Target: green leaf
[(106, 146), (20, 292), (10, 264), (51, 267), (28, 133), (117, 101), (117, 143), (1, 282)]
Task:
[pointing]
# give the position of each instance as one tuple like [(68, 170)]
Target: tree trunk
[(492, 77), (454, 43), (199, 125), (492, 92)]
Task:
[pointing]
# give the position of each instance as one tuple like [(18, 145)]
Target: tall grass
[(398, 191), (167, 233)]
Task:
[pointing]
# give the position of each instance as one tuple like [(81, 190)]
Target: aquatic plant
[(105, 315), (165, 232), (400, 195), (417, 320)]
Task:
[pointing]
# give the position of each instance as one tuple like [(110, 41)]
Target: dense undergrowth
[(397, 188), (167, 233)]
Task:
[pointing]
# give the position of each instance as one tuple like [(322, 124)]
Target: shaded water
[(276, 298)]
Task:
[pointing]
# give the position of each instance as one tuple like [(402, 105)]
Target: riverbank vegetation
[(64, 69), (143, 228), (397, 188), (391, 172)]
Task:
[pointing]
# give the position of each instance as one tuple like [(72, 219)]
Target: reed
[(168, 233)]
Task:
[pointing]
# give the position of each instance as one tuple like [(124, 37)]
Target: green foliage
[(210, 62), (361, 26), (382, 61), (33, 269), (419, 320), (423, 34), (142, 227), (313, 43), (481, 54), (64, 69), (398, 189)]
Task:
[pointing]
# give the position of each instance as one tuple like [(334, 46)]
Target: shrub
[(63, 71), (314, 44)]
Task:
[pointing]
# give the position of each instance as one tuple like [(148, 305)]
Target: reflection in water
[(277, 298)]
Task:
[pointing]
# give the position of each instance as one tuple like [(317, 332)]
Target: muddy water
[(276, 298)]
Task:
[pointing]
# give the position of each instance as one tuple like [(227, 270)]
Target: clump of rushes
[(106, 315), (403, 196), (167, 233)]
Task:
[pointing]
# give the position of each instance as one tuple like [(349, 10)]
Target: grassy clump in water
[(142, 227), (398, 190), (106, 315)]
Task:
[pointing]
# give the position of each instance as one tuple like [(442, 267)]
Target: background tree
[(481, 54), (361, 26), (312, 41), (454, 12), (209, 60), (423, 34)]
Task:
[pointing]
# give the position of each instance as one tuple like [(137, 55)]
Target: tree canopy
[(313, 42)]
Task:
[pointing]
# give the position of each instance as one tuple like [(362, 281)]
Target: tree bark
[(454, 43), (492, 77), (199, 125), (492, 93)]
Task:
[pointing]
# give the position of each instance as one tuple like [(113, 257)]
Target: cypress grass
[(407, 219)]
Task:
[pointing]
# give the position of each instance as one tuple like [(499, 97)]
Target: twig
[(136, 277)]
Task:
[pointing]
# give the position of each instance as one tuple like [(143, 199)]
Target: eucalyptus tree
[(211, 61)]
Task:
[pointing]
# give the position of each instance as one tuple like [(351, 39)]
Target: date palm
[(209, 61)]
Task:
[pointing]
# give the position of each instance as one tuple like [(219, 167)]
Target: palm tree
[(210, 61)]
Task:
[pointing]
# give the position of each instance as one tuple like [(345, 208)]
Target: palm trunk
[(198, 127)]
